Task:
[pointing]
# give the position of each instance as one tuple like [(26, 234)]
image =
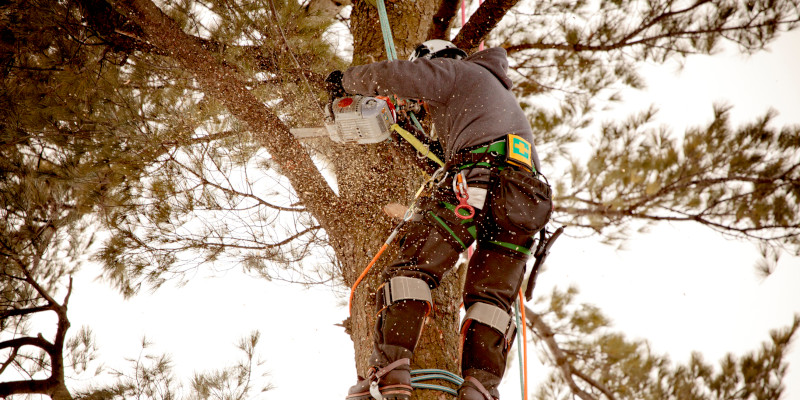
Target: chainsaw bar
[(305, 133)]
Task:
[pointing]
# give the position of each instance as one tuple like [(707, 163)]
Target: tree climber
[(492, 167)]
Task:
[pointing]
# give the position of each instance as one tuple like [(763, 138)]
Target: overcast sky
[(681, 287)]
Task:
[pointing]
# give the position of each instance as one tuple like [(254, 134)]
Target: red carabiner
[(460, 189), (462, 205)]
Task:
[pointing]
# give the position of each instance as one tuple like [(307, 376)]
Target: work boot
[(479, 385), (483, 362), (396, 333), (388, 380)]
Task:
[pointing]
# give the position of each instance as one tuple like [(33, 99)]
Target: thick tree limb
[(23, 311), (326, 8), (125, 36), (443, 19), (38, 386), (39, 342), (481, 23)]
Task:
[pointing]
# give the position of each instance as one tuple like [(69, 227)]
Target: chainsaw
[(354, 119)]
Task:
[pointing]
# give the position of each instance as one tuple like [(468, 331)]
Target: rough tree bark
[(439, 344)]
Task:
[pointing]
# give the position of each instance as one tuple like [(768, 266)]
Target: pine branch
[(628, 40), (588, 379), (124, 35), (54, 385), (547, 334), (231, 191), (221, 82)]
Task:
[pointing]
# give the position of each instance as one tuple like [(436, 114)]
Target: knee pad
[(402, 288), (403, 305), (493, 317)]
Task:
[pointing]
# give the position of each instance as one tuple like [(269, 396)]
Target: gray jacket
[(470, 100)]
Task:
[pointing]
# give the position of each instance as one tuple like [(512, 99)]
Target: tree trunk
[(439, 345)]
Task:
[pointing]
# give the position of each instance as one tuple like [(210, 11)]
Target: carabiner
[(460, 189)]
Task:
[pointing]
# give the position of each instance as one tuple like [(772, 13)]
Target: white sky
[(683, 288)]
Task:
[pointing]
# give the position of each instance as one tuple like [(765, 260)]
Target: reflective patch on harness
[(518, 152), (493, 317), (405, 288)]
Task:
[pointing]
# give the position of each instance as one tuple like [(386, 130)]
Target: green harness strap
[(388, 40)]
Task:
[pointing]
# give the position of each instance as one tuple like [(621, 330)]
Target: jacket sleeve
[(428, 80)]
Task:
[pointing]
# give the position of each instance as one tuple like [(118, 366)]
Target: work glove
[(333, 84)]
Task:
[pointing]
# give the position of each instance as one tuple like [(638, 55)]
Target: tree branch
[(481, 23), (24, 311), (588, 379), (221, 82), (39, 289), (10, 360), (547, 334), (443, 19), (577, 47), (38, 341)]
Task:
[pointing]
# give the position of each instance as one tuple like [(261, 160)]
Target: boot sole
[(391, 392)]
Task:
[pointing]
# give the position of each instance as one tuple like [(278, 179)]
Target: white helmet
[(436, 48)]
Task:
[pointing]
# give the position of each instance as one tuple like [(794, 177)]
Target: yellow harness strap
[(421, 147)]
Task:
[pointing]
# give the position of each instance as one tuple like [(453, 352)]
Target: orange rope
[(524, 342), (363, 274)]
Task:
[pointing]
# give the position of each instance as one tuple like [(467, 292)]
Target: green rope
[(388, 41)]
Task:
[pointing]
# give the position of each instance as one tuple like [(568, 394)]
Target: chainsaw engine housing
[(360, 119)]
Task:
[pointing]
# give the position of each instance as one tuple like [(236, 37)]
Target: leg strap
[(477, 385), (491, 316), (404, 288)]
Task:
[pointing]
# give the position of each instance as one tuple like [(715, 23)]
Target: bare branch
[(10, 360), (38, 341), (24, 311)]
